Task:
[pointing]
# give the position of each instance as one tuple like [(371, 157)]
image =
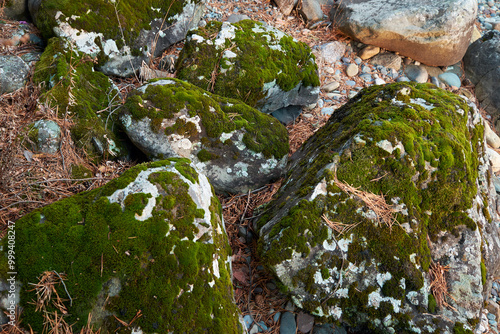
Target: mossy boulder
[(122, 33), (415, 152), (252, 62), (236, 146), (152, 240), (87, 98)]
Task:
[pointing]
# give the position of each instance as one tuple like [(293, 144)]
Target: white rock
[(494, 157), (492, 138)]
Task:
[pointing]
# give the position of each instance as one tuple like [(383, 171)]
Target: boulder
[(15, 10), (436, 33), (121, 34), (13, 73), (44, 136), (236, 146), (252, 62), (394, 187), (148, 248), (71, 85), (482, 67)]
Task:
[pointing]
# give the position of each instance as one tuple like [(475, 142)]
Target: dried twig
[(438, 286)]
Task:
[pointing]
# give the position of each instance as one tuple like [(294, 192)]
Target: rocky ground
[(342, 75)]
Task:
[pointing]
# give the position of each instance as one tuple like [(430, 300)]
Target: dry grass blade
[(384, 212), (46, 289), (13, 326), (438, 286), (89, 329), (55, 324)]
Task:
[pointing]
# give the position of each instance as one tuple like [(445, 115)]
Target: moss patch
[(409, 142), (262, 133), (243, 77), (71, 85), (161, 267)]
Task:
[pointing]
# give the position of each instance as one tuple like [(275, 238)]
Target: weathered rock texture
[(252, 62), (423, 149), (482, 67), (152, 240), (121, 34), (237, 147), (71, 85), (435, 33), (13, 73)]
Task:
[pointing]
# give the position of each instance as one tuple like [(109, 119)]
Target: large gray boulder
[(482, 67), (393, 185), (436, 33), (237, 147), (252, 62), (121, 34), (149, 249)]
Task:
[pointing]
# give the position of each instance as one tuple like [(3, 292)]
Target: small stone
[(346, 60), (379, 81), (435, 81), (254, 329), (496, 183), (451, 79), (350, 83), (490, 316), (352, 94), (388, 60), (288, 325), (276, 317), (496, 286), (383, 71), (320, 103), (416, 73), (494, 157), (366, 77), (352, 70), (329, 70), (271, 285), (327, 111), (357, 60), (248, 320), (331, 86), (492, 138), (368, 52), (305, 322), (262, 326), (493, 323), (402, 79)]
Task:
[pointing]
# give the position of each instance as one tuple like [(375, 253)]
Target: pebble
[(327, 111), (435, 81), (248, 320), (357, 60), (331, 86), (402, 79), (496, 286), (288, 325), (320, 103), (352, 94), (451, 79), (346, 60), (388, 60), (276, 317), (416, 73), (368, 52), (494, 160), (490, 316), (493, 140), (350, 83), (305, 322), (365, 69), (379, 81), (366, 77), (271, 285), (352, 70)]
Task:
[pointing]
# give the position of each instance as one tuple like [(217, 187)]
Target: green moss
[(80, 172), (459, 329), (432, 200), (257, 63), (483, 272), (204, 155), (163, 271), (70, 84), (183, 166), (432, 306), (262, 133)]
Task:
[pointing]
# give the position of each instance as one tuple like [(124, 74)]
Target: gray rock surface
[(416, 73), (120, 46), (236, 146), (482, 67), (433, 32), (250, 61), (13, 73), (388, 60), (367, 273), (329, 53), (15, 10), (46, 136)]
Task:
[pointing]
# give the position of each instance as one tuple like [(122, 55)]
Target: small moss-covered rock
[(71, 85), (252, 62), (152, 240), (420, 147), (236, 146), (122, 33)]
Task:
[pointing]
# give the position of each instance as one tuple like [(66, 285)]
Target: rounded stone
[(352, 70), (331, 86), (416, 73), (450, 79), (368, 52), (288, 324)]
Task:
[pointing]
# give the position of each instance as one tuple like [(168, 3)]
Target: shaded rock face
[(436, 33), (121, 34), (15, 10), (152, 240), (481, 63), (252, 62), (237, 147), (70, 82), (423, 149), (45, 136), (13, 73)]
